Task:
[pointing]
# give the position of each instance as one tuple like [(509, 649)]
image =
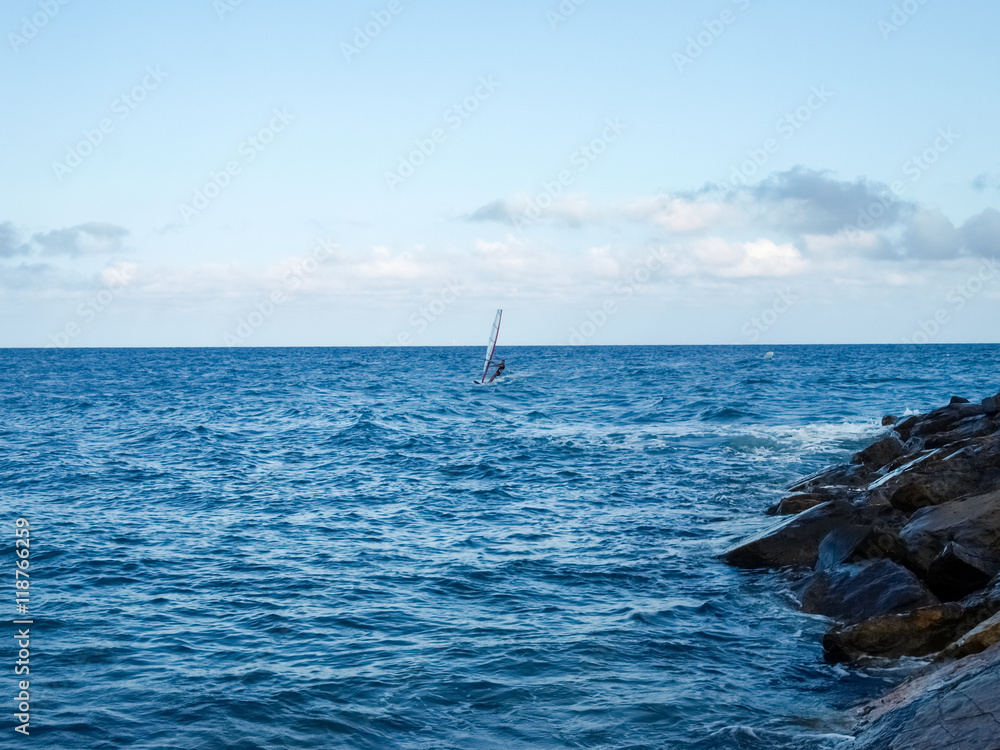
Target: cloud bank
[(777, 227), (92, 238)]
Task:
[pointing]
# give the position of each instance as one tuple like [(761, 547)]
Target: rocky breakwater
[(901, 549)]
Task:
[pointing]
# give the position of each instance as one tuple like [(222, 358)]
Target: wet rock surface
[(958, 571), (901, 550), (919, 632), (965, 530), (795, 541), (955, 707), (881, 453), (852, 593)]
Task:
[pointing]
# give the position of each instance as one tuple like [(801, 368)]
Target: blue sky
[(735, 171)]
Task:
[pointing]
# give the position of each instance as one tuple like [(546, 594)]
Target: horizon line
[(479, 346)]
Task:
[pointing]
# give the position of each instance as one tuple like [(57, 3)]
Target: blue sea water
[(359, 548)]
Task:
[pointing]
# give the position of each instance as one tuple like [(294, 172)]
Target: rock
[(943, 419), (991, 405), (964, 430), (840, 545), (793, 504), (958, 572), (835, 480), (917, 490), (987, 601), (950, 708), (920, 632), (943, 474), (888, 420), (976, 640), (923, 631), (958, 400), (882, 541), (880, 453), (904, 428), (852, 593), (974, 523), (794, 541)]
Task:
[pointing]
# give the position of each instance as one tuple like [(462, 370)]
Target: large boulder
[(991, 405), (973, 523), (966, 429), (794, 541), (923, 488), (957, 571), (951, 708), (944, 419), (881, 452), (943, 474), (920, 632), (852, 593)]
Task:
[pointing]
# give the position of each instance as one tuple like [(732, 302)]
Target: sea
[(360, 548)]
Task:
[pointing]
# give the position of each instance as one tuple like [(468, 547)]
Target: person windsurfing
[(499, 370)]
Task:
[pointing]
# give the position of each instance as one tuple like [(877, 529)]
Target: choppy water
[(358, 548)]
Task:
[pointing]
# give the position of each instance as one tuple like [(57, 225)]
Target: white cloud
[(747, 259), (119, 272), (683, 214), (384, 265), (600, 262)]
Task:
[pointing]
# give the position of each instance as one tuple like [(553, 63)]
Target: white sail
[(491, 347)]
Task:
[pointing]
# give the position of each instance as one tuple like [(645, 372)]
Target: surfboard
[(490, 348)]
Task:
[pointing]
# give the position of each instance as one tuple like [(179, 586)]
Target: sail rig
[(491, 347)]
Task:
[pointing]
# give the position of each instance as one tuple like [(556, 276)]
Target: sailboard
[(491, 347)]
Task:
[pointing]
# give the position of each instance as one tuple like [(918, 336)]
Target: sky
[(251, 173)]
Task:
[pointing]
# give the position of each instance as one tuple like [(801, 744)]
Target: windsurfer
[(499, 370)]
